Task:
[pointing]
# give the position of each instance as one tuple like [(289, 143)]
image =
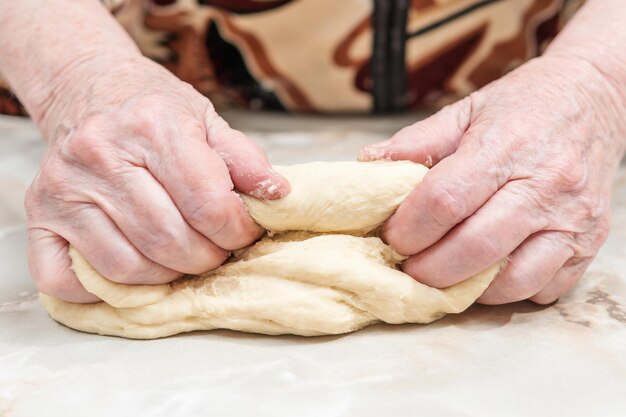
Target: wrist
[(88, 84), (42, 42), (613, 73), (595, 36), (601, 96)]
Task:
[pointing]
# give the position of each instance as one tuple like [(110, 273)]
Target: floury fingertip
[(268, 189), (372, 153)]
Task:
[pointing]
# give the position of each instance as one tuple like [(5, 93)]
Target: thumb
[(247, 162), (426, 142), (50, 266)]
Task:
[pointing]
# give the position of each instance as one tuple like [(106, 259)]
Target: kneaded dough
[(320, 270)]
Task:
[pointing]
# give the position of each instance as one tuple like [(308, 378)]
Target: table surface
[(522, 359)]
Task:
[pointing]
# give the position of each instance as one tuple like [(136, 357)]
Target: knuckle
[(163, 241), (142, 124), (524, 288), (517, 287), (587, 243), (87, 147), (53, 283), (48, 184), (567, 173), (500, 289), (483, 248), (209, 107), (447, 208), (49, 285), (32, 198), (212, 216), (52, 180), (602, 230), (578, 265), (146, 119), (218, 129), (118, 268), (543, 299), (595, 208), (586, 228), (165, 236), (129, 270)]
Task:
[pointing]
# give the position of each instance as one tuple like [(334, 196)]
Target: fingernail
[(268, 189), (371, 153)]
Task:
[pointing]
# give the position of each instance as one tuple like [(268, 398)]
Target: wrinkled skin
[(140, 179), (521, 169)]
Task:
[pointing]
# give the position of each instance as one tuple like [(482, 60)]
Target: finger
[(482, 240), (147, 216), (449, 193), (199, 183), (247, 162), (426, 142), (563, 281), (529, 269), (104, 246), (50, 266)]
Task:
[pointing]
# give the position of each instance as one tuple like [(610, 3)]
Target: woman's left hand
[(521, 169)]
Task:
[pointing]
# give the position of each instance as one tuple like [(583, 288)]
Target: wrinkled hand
[(522, 167), (139, 176)]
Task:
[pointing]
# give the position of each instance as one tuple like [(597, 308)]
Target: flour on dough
[(321, 269)]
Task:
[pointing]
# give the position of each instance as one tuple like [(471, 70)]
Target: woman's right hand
[(139, 176)]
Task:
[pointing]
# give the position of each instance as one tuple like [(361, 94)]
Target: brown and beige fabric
[(337, 56)]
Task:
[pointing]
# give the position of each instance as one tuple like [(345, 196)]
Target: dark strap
[(388, 67)]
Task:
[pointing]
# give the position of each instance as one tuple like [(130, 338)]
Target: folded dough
[(320, 270)]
